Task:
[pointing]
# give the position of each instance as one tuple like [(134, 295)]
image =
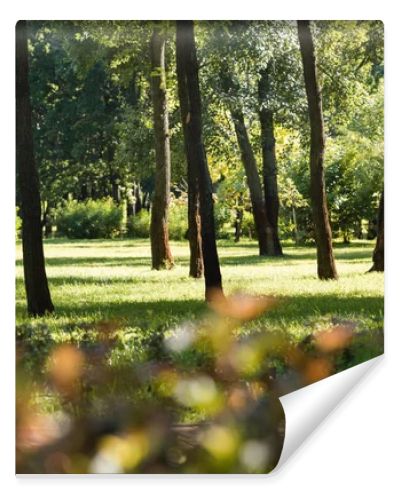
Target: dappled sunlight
[(86, 287)]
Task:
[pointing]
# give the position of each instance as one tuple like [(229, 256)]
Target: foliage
[(89, 219), (18, 225), (138, 226), (93, 118), (178, 219), (248, 227), (224, 218)]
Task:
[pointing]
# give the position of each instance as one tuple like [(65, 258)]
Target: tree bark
[(36, 286), (196, 267), (187, 60), (253, 181), (269, 163), (323, 234), (378, 257), (161, 255)]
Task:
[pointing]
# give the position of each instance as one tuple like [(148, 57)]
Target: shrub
[(224, 219), (178, 220), (248, 227), (138, 226), (89, 219)]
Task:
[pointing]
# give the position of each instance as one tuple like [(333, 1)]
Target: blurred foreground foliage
[(198, 399)]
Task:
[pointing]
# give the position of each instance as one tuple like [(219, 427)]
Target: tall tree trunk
[(196, 267), (323, 234), (36, 286), (378, 257), (269, 163), (161, 255), (187, 60), (253, 181)]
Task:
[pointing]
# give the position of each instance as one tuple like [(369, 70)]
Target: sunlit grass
[(99, 280)]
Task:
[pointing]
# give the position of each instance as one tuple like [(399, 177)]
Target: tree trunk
[(323, 234), (138, 198), (295, 228), (378, 256), (161, 255), (196, 267), (47, 221), (269, 164), (36, 286), (253, 181), (130, 204), (238, 224), (187, 60)]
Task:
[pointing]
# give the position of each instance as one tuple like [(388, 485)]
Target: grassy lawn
[(134, 382), (103, 280)]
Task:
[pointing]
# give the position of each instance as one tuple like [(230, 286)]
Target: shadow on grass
[(94, 261), (161, 314), (356, 256), (148, 315)]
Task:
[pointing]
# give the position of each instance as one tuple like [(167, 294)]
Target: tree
[(161, 255), (378, 256), (323, 235), (253, 181), (269, 163), (36, 286), (196, 267), (189, 80), (231, 89)]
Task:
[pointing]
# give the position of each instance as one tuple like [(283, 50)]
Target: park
[(199, 231)]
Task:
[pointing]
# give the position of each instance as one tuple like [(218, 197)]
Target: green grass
[(99, 280)]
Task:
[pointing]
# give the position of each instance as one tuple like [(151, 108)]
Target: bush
[(178, 220), (248, 227), (138, 226), (89, 219), (224, 219)]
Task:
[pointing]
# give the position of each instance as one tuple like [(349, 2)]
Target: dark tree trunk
[(138, 198), (196, 267), (36, 286), (130, 205), (322, 228), (253, 181), (115, 192), (161, 255), (47, 221), (378, 257), (238, 224), (269, 164), (187, 60)]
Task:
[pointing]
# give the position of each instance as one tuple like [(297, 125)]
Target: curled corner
[(306, 408)]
